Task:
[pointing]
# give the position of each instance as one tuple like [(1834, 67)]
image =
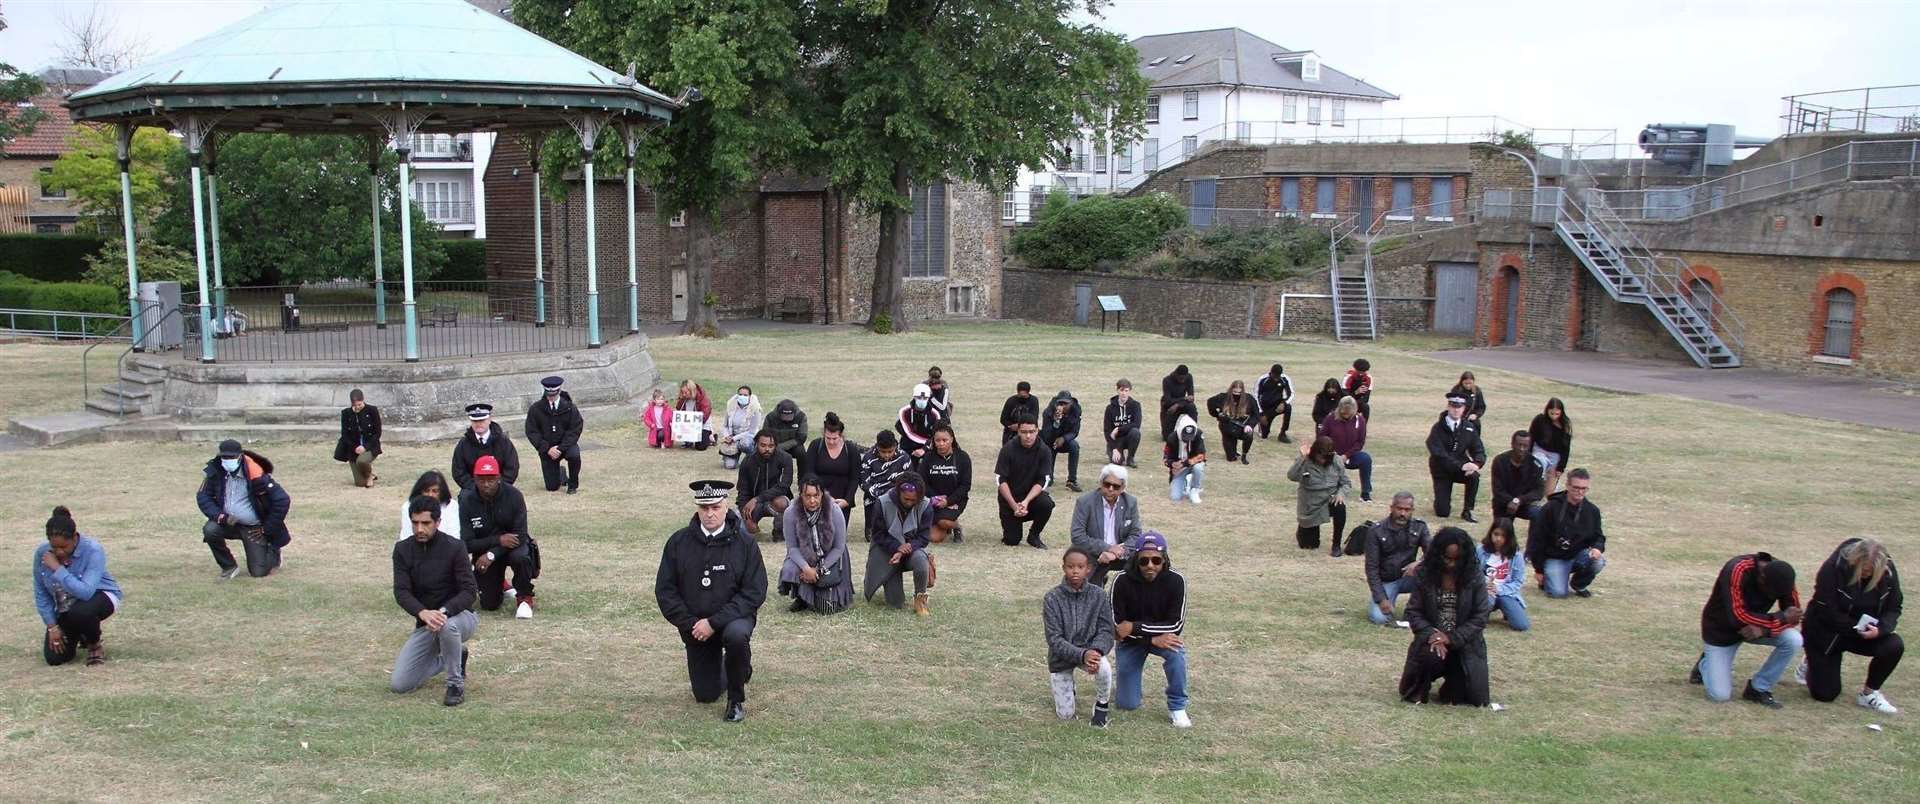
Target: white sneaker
[(524, 612), (1872, 699), (1193, 496), (1180, 719), (1800, 674)]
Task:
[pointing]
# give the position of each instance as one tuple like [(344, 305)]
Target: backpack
[(1357, 538)]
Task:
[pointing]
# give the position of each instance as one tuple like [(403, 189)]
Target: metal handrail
[(119, 362), (1735, 188), (13, 319)]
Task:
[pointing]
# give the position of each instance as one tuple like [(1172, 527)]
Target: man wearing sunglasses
[(1106, 523), (1149, 614)]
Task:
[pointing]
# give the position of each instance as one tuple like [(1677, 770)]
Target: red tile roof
[(51, 136)]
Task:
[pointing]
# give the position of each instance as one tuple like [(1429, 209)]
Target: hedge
[(72, 297), (1096, 230), (49, 258), (466, 260)]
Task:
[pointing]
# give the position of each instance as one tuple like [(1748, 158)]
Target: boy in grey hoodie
[(1079, 627)]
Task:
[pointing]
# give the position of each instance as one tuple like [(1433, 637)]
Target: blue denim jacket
[(85, 575)]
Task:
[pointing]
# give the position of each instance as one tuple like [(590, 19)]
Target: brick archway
[(1507, 280), (1707, 274), (1817, 319)]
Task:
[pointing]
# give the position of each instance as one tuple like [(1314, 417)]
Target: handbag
[(1357, 538)]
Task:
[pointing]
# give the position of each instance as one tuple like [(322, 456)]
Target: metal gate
[(1454, 296), (1082, 301)]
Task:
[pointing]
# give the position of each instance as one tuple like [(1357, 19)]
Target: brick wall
[(1779, 299), (24, 172), (1156, 305), (975, 248)]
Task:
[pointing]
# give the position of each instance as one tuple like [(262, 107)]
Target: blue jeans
[(1716, 669), (1564, 575), (1362, 461), (1393, 590), (1192, 477), (1515, 610), (1130, 659)]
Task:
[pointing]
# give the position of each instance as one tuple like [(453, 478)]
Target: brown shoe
[(933, 571), (920, 605), (96, 654)]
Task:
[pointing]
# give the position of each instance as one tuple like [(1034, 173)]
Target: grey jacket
[(1318, 486), (1089, 528), (1076, 622)]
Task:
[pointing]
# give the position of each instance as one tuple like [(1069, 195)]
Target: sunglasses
[(1107, 484), (1152, 561)]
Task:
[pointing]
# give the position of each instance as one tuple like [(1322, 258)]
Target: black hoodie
[(1154, 607), (470, 449), (1052, 426), (547, 427), (1125, 417)]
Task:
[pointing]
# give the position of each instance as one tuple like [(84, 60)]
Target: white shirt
[(449, 519), (483, 436), (1111, 506)]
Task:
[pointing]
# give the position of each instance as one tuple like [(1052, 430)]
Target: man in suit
[(1106, 523)]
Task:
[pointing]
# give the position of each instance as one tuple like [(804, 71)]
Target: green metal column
[(124, 152), (406, 248), (379, 259), (200, 249), (633, 271), (539, 252), (213, 229)]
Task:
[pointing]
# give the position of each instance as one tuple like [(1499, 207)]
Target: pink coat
[(658, 416)]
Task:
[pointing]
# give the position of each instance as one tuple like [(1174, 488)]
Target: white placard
[(687, 425)]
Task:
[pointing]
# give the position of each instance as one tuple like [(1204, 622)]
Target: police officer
[(484, 436), (710, 585), (553, 428)]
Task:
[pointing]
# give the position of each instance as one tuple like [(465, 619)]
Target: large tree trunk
[(701, 318), (890, 264)]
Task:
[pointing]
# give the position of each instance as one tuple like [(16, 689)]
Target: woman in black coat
[(1176, 390), (359, 440), (1328, 399), (1855, 609), (1448, 611)]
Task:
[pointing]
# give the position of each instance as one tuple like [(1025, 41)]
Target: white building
[(1208, 86), (447, 183)]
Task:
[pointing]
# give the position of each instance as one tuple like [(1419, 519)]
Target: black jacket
[(357, 429), (1560, 531), (1154, 608), (435, 575), (1450, 448), (270, 499), (1323, 405), (1015, 406), (1390, 550), (1551, 438), (1469, 619), (548, 428), (1740, 599), (764, 478), (1476, 399), (729, 564), (1120, 417), (482, 521), (1248, 411), (1272, 392), (469, 450), (1174, 387), (1510, 481), (1838, 602), (1023, 468), (1068, 425), (786, 435), (915, 426), (951, 476)]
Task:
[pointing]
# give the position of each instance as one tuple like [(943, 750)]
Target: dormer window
[(1156, 61), (1184, 59), (1310, 68)]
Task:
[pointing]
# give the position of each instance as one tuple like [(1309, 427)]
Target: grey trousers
[(428, 654), (880, 573)]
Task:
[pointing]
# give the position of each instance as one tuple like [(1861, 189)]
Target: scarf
[(812, 542)]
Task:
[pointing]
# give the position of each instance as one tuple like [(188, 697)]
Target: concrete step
[(126, 393), (137, 377), (61, 428)]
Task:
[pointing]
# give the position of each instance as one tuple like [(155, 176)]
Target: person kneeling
[(72, 591), (1150, 609), (1856, 605), (1079, 629), (710, 585), (493, 524), (900, 533), (1448, 611), (1738, 611), (816, 573), (433, 583)]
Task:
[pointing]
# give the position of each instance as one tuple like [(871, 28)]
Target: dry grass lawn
[(276, 688)]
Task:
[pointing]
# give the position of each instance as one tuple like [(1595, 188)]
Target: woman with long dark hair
[(1552, 433), (817, 572), (1448, 611), (72, 591), (1469, 388), (948, 471), (433, 484), (1328, 398)]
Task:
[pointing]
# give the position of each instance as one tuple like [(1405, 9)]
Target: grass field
[(276, 688)]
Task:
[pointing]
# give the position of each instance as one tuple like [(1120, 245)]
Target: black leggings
[(1235, 439), (79, 625), (1284, 412), (1309, 538), (1823, 669)]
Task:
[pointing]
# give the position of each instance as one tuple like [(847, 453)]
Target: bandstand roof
[(329, 66)]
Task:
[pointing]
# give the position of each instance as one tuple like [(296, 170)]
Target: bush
[(156, 261), (1085, 233), (1267, 253), (49, 258), (72, 297), (466, 260)]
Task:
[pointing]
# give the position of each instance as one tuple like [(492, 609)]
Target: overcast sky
[(1612, 64)]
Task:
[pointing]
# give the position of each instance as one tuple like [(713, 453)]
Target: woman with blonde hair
[(1855, 608)]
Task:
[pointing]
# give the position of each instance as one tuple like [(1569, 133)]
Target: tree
[(744, 57), (295, 209), (915, 91), (90, 173), (93, 39), (16, 88)]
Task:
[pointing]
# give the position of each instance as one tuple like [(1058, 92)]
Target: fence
[(62, 325), (1876, 110), (1865, 159)]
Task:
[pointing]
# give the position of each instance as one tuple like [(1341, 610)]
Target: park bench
[(442, 315), (795, 308)]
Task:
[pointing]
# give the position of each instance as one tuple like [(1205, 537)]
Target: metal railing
[(61, 324), (1896, 110), (152, 324), (1858, 160)]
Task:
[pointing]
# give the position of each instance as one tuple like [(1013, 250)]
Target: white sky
[(1610, 64)]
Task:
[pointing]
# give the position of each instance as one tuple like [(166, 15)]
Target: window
[(1187, 145), (1079, 156), (443, 201), (1290, 196), (1339, 111), (1153, 109), (1243, 131), (1100, 160), (1289, 108), (1323, 197), (1839, 341), (1442, 207), (1190, 105), (1313, 110), (46, 173), (927, 232), (1157, 61), (47, 229), (1125, 158), (1009, 205), (1402, 199), (1184, 59), (1310, 68), (678, 220), (961, 300), (1150, 154)]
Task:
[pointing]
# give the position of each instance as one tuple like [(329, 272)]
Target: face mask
[(740, 399), (920, 402), (230, 464)]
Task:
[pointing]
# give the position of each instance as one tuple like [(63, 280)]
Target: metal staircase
[(1632, 273), (1353, 311), (1355, 314)]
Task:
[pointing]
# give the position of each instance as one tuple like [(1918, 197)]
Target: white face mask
[(920, 402), (230, 464), (740, 399)]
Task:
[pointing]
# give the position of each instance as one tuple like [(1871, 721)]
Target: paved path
[(1870, 402)]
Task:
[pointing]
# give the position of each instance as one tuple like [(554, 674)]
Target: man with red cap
[(493, 526)]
